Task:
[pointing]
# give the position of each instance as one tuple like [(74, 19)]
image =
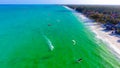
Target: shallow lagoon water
[(27, 33)]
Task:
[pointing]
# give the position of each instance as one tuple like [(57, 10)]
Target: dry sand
[(111, 39)]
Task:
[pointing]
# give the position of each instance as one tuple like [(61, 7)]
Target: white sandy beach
[(111, 40)]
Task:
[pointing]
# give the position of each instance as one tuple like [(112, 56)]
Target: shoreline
[(110, 40)]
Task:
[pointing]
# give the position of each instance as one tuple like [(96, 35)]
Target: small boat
[(49, 24), (79, 60)]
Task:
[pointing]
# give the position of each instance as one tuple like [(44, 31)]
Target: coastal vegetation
[(108, 15)]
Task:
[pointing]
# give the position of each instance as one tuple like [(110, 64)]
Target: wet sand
[(111, 39)]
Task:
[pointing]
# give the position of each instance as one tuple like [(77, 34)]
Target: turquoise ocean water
[(43, 36)]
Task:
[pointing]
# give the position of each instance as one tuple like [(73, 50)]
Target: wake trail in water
[(50, 45)]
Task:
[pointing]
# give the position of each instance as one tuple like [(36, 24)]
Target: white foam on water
[(51, 47), (68, 8), (80, 15), (86, 20), (89, 23), (83, 17)]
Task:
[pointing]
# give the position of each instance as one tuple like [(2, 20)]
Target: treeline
[(104, 14)]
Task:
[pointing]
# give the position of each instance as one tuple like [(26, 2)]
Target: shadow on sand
[(112, 34), (105, 30), (116, 35)]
